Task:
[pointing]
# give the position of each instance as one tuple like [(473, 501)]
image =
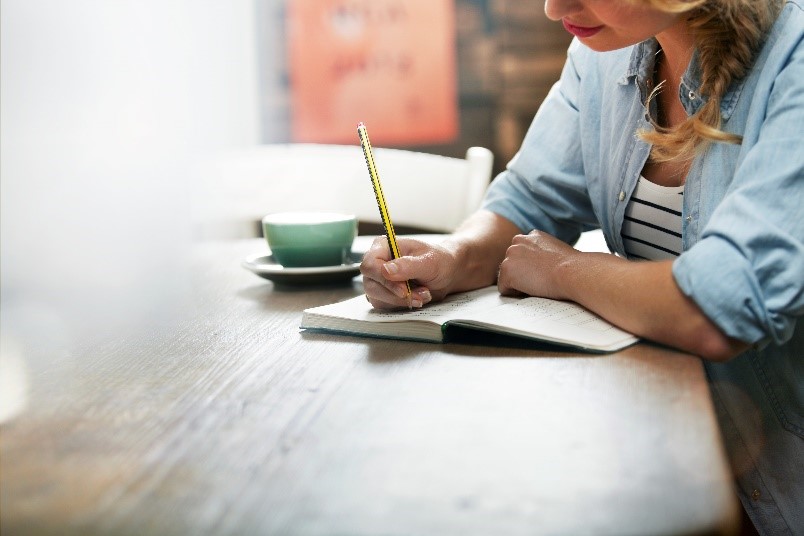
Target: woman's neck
[(678, 46)]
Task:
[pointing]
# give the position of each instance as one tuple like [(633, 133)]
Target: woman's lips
[(581, 31)]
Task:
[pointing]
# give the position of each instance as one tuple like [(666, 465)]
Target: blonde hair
[(727, 34)]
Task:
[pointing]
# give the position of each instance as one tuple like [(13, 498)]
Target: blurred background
[(505, 55), (108, 108)]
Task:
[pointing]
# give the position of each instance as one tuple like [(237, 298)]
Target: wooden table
[(235, 422)]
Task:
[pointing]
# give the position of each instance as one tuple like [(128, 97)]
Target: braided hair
[(728, 35)]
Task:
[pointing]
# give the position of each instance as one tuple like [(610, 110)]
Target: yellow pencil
[(383, 206)]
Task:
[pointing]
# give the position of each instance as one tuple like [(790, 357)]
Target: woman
[(677, 127)]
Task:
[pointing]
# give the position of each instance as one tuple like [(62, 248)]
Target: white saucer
[(266, 267)]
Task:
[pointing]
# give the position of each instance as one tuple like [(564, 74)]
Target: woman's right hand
[(466, 259), (429, 268)]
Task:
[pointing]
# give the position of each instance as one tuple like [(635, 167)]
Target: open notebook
[(540, 319)]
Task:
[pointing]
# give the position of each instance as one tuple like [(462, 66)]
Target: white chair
[(423, 191)]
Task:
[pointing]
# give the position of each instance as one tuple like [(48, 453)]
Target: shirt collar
[(640, 67)]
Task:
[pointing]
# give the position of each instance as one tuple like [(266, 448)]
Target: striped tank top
[(652, 226)]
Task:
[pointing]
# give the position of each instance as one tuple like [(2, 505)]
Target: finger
[(379, 249), (387, 294), (525, 239), (505, 285), (379, 304), (423, 267), (372, 262), (395, 303), (395, 294), (421, 295), (385, 289)]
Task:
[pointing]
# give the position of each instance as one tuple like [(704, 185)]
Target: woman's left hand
[(532, 266)]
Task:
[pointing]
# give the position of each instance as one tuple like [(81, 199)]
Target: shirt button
[(755, 494), (689, 218), (621, 196), (692, 95)]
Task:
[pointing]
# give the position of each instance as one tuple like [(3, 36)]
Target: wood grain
[(233, 421)]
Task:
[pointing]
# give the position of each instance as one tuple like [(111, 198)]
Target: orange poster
[(387, 63)]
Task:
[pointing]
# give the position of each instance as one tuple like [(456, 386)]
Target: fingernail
[(416, 303), (391, 268), (425, 296)]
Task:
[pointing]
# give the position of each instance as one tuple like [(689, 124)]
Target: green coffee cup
[(299, 239)]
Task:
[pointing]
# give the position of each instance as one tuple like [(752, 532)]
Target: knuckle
[(502, 274), (511, 251)]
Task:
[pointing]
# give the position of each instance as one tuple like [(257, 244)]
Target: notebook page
[(559, 321), (454, 306)]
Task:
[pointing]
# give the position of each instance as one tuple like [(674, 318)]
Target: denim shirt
[(743, 230)]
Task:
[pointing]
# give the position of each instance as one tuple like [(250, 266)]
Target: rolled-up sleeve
[(747, 270)]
